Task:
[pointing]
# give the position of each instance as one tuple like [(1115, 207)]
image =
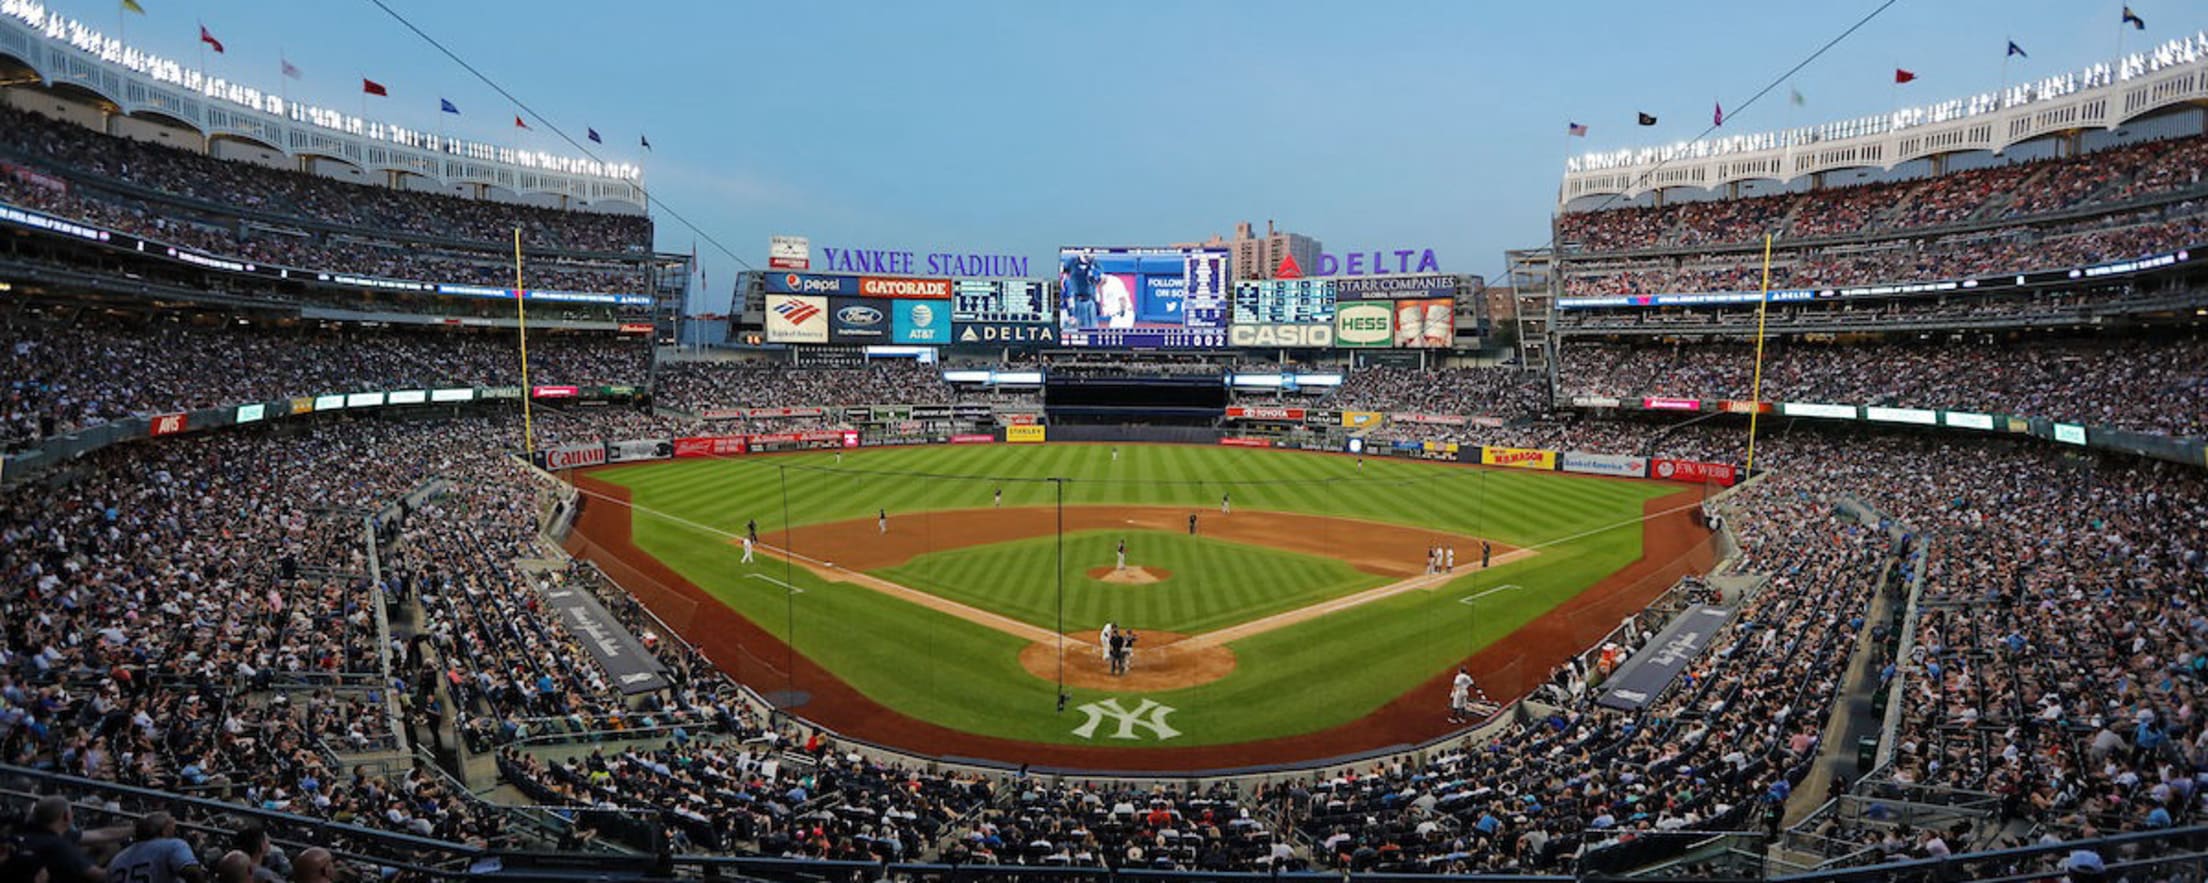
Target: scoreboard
[(1000, 300), (1284, 302)]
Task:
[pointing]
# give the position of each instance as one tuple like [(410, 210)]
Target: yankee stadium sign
[(941, 263)]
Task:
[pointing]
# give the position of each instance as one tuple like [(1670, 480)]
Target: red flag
[(1902, 76), (373, 88), (209, 39), (518, 124)]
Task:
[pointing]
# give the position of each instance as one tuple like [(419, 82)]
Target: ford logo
[(859, 316)]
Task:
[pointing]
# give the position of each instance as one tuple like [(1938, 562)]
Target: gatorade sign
[(1364, 324)]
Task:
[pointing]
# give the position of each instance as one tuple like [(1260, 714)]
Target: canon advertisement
[(574, 456)]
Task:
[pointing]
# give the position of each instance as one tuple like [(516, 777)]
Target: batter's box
[(1506, 587)]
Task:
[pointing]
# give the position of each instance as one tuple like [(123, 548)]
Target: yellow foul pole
[(1755, 386), (521, 320)]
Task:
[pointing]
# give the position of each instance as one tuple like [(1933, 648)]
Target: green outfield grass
[(1212, 583), (1305, 677)]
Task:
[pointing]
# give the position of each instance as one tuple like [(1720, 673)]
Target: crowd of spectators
[(2148, 384), (1500, 392), (259, 193), (2107, 177), (57, 378), (2022, 685), (1995, 251), (198, 616), (706, 385)]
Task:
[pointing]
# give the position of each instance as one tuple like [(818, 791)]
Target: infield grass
[(1305, 677), (1211, 583)]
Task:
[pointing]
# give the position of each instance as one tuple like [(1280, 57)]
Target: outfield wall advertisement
[(1603, 464), (1518, 458), (709, 446), (1024, 434), (1239, 412), (1723, 474), (572, 456)]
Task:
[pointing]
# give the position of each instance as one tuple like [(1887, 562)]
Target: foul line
[(775, 581), (1468, 599)]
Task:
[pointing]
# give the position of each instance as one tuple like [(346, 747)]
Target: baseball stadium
[(1818, 493)]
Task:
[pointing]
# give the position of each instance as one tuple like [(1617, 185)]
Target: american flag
[(1576, 130)]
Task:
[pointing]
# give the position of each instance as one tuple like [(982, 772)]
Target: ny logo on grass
[(1149, 714)]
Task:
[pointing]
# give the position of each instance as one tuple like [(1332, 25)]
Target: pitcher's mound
[(1131, 576)]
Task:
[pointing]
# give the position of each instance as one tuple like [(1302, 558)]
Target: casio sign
[(856, 315), (1316, 336)]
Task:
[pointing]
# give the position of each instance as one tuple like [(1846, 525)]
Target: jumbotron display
[(1152, 298)]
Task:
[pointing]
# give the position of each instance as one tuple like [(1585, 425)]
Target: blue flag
[(2016, 50), (594, 135), (447, 106), (647, 142), (2130, 18)]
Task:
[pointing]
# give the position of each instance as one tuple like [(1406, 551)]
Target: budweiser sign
[(709, 446)]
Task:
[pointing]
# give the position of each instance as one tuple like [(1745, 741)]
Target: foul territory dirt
[(1672, 545)]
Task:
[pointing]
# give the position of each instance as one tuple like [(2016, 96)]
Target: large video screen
[(1152, 298), (1284, 302)]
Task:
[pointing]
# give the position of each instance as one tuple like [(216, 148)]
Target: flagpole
[(521, 325), (1755, 386), (2005, 54)]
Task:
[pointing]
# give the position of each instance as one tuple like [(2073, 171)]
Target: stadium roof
[(2104, 95)]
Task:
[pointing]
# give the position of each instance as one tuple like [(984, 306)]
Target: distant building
[(1258, 257)]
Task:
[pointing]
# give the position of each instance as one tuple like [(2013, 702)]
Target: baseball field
[(1295, 618)]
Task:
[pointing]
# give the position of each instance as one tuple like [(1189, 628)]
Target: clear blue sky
[(1017, 127)]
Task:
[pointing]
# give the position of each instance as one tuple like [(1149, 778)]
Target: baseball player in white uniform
[(881, 521), (1122, 565), (1450, 566), (747, 550), (1460, 696), (1226, 503), (1104, 642), (1000, 498)]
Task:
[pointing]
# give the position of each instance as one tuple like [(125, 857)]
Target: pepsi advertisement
[(1153, 298)]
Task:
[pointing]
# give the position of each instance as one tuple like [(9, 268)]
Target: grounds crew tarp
[(1650, 672), (633, 669)]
